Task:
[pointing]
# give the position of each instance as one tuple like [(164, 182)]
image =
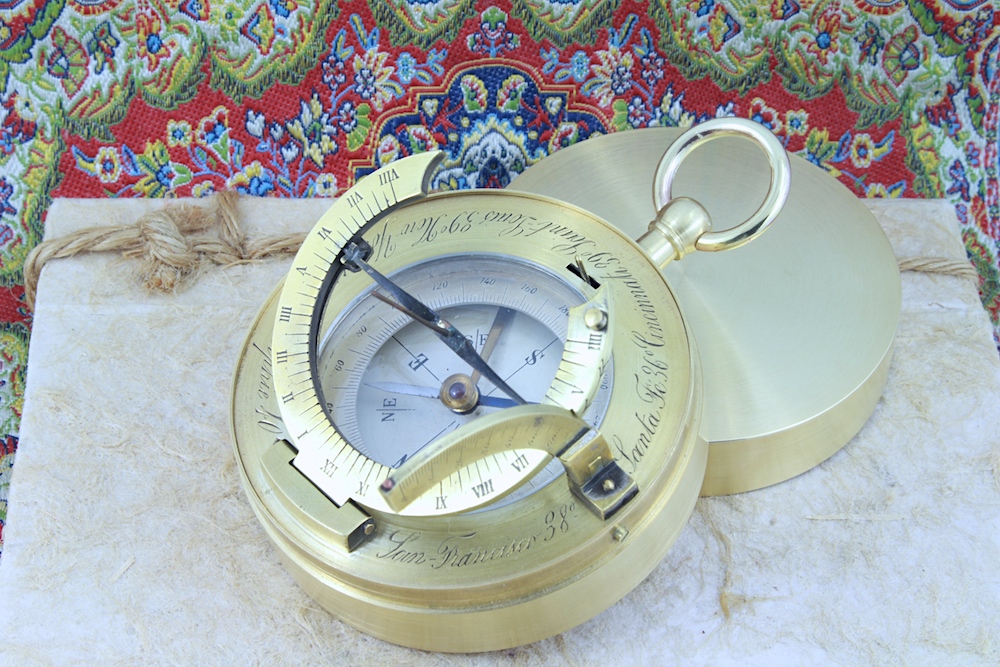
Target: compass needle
[(502, 319), (422, 314), (434, 392)]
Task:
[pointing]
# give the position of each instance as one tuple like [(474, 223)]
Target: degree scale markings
[(320, 442), (393, 441), (323, 454)]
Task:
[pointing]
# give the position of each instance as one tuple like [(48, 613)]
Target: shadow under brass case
[(796, 329)]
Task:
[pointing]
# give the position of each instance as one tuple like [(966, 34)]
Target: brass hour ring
[(777, 191)]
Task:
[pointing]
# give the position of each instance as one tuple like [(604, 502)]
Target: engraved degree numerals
[(400, 390), (323, 455), (424, 376), (483, 489), (387, 176), (519, 463), (354, 199)]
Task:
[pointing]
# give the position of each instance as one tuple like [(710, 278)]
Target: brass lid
[(795, 330)]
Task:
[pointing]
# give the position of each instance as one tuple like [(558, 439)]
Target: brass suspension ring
[(776, 194)]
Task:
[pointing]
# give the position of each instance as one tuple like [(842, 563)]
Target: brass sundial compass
[(470, 420)]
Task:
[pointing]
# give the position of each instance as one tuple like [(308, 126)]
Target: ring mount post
[(682, 225)]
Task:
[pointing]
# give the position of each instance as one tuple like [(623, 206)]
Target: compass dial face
[(392, 387), (345, 358), (363, 385)]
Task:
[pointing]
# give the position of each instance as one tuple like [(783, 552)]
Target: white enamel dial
[(391, 386)]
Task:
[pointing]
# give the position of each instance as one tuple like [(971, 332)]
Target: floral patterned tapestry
[(291, 98)]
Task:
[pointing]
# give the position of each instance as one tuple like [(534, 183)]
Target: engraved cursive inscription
[(651, 376), (403, 549), (571, 241), (630, 456), (469, 549), (265, 381), (392, 232), (456, 550)]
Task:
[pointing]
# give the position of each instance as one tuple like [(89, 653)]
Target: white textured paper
[(129, 540)]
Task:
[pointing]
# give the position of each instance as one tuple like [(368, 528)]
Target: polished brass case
[(796, 330)]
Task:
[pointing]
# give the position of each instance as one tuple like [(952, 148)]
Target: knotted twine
[(174, 243), (178, 240)]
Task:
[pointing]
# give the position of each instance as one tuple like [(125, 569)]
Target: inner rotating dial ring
[(404, 227), (391, 387)]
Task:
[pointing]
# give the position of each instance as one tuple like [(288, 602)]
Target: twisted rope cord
[(174, 242), (948, 267)]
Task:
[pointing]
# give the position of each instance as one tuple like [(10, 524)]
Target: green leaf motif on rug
[(565, 23), (419, 23)]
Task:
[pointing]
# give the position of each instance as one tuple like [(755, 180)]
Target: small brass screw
[(595, 319)]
